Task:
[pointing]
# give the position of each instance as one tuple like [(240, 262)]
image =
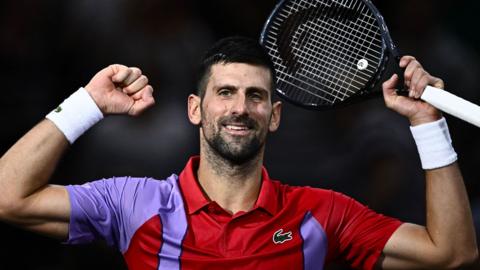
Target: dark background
[(50, 48)]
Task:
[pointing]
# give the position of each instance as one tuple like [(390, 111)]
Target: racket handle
[(452, 105)]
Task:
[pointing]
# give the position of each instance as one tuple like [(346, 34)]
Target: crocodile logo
[(58, 109), (279, 237)]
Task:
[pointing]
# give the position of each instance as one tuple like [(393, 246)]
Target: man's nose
[(240, 105)]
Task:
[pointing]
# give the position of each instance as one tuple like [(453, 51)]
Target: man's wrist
[(425, 119), (76, 114), (434, 144)]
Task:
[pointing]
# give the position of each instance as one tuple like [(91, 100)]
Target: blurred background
[(50, 48)]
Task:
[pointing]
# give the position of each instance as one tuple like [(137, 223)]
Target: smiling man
[(223, 211)]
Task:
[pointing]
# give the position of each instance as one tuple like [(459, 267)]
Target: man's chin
[(236, 150), (239, 158), (240, 152)]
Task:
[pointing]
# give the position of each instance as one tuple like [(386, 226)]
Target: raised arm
[(27, 199), (448, 239)]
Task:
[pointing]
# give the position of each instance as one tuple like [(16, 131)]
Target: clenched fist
[(118, 89)]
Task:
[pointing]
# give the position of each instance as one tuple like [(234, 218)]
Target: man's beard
[(239, 150)]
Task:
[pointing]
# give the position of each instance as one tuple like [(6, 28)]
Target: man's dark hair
[(235, 49)]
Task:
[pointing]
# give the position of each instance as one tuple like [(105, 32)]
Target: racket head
[(327, 53)]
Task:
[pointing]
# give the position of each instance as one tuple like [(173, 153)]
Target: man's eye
[(256, 96), (224, 92)]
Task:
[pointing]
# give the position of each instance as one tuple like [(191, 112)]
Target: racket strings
[(361, 51), (332, 64), (288, 23), (321, 66), (291, 25), (314, 59), (304, 92), (301, 81)]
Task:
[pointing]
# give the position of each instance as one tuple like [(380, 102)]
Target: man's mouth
[(237, 129), (238, 126)]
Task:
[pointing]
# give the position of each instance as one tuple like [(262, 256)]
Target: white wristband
[(76, 114), (434, 144)]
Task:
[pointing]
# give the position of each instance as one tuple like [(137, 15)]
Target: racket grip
[(452, 105)]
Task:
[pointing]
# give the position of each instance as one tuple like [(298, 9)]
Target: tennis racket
[(333, 52)]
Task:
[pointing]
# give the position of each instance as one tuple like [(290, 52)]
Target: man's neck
[(234, 187)]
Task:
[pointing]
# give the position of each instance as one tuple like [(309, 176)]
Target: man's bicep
[(409, 247), (46, 212)]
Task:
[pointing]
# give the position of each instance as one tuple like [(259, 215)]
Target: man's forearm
[(448, 239), (29, 163), (449, 218)]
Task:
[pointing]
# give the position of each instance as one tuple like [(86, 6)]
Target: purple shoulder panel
[(113, 209), (315, 243)]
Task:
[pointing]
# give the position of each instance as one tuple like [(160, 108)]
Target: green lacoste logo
[(58, 109), (279, 237)]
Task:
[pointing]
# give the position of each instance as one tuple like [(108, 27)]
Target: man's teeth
[(237, 127)]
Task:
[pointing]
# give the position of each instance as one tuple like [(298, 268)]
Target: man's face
[(236, 112)]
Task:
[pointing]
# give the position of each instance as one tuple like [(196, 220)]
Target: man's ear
[(194, 113), (275, 119)]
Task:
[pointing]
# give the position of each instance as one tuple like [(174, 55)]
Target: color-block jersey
[(171, 224)]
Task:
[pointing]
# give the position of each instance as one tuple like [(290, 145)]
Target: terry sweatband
[(76, 114), (434, 144)]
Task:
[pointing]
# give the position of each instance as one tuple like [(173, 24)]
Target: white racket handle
[(452, 105)]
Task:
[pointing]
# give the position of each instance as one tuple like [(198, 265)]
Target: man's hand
[(416, 79), (118, 89)]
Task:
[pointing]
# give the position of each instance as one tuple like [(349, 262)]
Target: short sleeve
[(112, 209), (361, 233)]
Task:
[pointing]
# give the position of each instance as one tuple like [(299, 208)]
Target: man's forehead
[(240, 74)]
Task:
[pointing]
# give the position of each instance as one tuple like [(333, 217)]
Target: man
[(223, 211)]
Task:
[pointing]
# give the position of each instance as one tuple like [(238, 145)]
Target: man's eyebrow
[(257, 89), (225, 86)]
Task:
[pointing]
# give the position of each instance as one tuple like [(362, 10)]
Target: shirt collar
[(196, 199)]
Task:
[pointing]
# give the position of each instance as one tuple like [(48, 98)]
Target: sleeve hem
[(388, 234)]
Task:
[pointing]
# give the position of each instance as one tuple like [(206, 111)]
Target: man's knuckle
[(136, 70)]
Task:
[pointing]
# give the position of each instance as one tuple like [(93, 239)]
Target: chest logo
[(279, 237)]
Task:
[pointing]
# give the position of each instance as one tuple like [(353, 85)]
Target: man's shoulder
[(295, 188), (309, 194), (304, 192), (125, 180), (127, 185)]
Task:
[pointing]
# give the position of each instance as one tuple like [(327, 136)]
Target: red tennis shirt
[(171, 224)]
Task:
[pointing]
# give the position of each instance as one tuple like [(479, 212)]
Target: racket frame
[(389, 50)]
